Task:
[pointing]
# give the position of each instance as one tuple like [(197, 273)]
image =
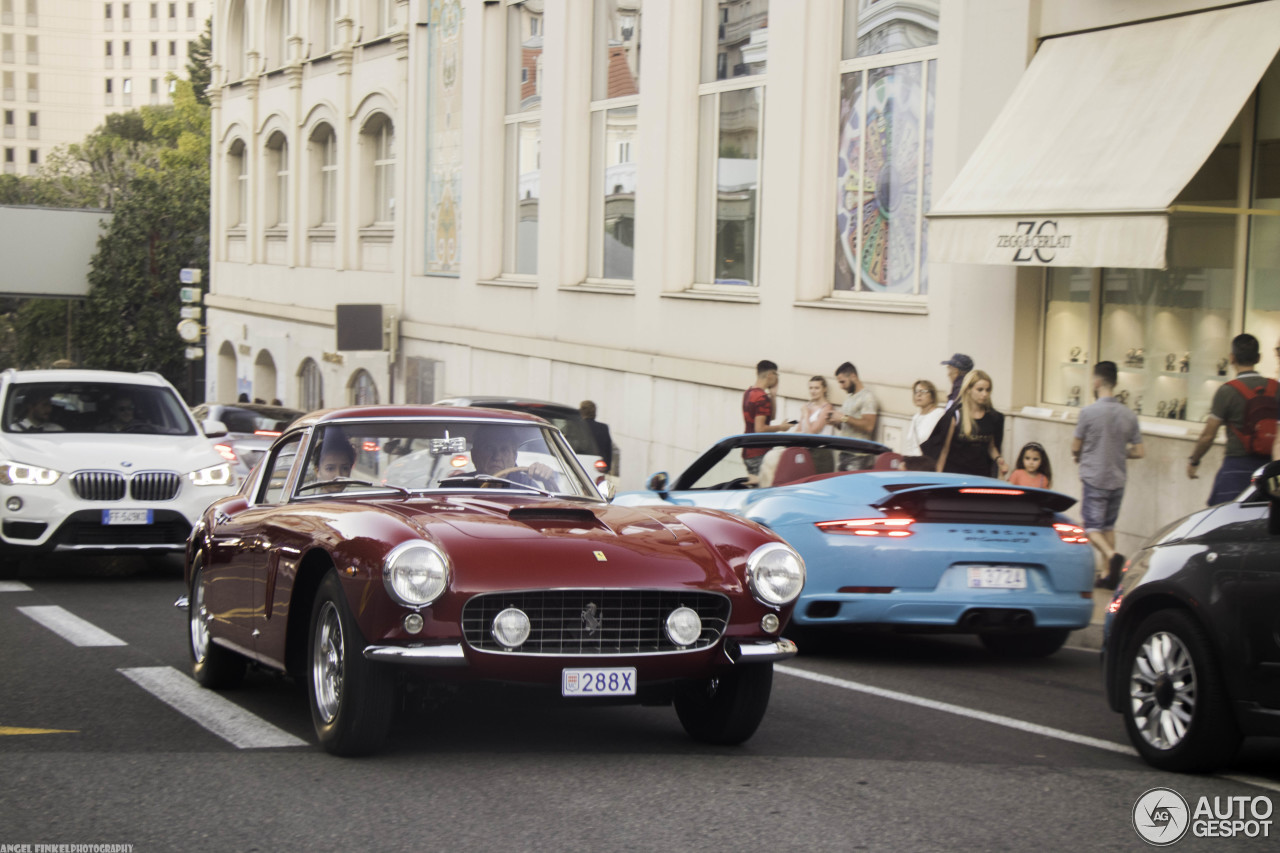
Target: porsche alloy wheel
[(351, 698), (727, 710), (1175, 708), (212, 665)]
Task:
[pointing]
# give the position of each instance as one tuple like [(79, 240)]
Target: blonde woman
[(975, 433), (924, 396), (813, 415)]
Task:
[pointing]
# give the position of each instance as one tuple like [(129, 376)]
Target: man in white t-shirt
[(856, 418)]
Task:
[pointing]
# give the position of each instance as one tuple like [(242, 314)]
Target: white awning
[(1103, 132)]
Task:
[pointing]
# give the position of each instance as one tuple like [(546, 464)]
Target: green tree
[(199, 62)]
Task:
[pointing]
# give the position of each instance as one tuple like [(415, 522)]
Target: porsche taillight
[(1071, 533), (893, 527), (601, 465), (225, 451)]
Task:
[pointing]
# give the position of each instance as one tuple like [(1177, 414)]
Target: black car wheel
[(727, 710), (1176, 708), (351, 698), (1037, 644), (213, 666)]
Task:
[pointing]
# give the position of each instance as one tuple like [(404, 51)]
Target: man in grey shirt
[(1107, 436)]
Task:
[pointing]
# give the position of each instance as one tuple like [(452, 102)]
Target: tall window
[(323, 155), (33, 87), (236, 43), (524, 135), (615, 98), (735, 38), (386, 16), (277, 34), (33, 50), (324, 25), (310, 386), (884, 164), (238, 187), (278, 167), (364, 391), (33, 13), (379, 155)]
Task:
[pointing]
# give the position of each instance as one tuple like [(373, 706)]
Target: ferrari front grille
[(595, 621)]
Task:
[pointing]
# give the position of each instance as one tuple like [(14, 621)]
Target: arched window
[(264, 377), (276, 42), (237, 41), (364, 391), (322, 154), (226, 390), (310, 386), (324, 26), (237, 185), (278, 170), (377, 139)]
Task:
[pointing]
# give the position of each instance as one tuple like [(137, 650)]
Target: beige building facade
[(67, 64), (633, 201)]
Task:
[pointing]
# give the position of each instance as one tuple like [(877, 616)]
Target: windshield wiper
[(489, 478), (347, 481)]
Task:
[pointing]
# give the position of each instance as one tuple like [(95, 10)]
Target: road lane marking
[(946, 707), (18, 730), (221, 716), (1257, 781), (14, 586), (71, 627)]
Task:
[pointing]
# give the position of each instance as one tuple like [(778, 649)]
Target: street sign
[(189, 330), (190, 294), (195, 353), (189, 275), (189, 312)]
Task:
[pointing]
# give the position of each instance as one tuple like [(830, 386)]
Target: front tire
[(1176, 709), (727, 710), (212, 665), (1037, 644), (351, 698)]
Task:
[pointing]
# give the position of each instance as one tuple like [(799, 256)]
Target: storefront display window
[(1262, 311)]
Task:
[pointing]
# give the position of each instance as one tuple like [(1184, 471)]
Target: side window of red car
[(277, 471)]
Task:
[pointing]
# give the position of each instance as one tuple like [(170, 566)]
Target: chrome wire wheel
[(198, 618), (326, 663), (1162, 690)]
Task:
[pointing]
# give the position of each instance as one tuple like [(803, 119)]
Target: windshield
[(79, 407), (569, 422), (237, 419), (443, 454)]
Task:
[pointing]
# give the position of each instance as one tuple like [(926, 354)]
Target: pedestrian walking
[(856, 417), (599, 433), (1107, 436), (758, 411), (975, 431), (1032, 468), (1248, 406), (924, 396), (958, 366)]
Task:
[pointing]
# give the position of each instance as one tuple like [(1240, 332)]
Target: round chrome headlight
[(775, 574), (684, 626), (415, 573), (511, 628)]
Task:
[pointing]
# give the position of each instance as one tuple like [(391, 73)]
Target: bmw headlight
[(775, 574), (218, 475), (18, 474), (415, 573)]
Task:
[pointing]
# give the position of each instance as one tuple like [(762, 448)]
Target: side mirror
[(214, 429), (606, 489), (658, 482)]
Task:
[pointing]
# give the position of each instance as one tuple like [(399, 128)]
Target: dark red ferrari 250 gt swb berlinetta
[(378, 546)]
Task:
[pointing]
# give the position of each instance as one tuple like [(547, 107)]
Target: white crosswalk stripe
[(71, 627), (224, 718)]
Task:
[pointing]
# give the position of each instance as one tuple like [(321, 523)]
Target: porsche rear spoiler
[(976, 503)]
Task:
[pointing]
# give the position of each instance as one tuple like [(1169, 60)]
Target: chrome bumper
[(420, 655), (761, 651)]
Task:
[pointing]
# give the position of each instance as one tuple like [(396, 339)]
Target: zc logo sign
[(1036, 240)]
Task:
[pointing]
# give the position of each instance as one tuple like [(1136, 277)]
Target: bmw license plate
[(126, 516), (598, 682), (997, 577)]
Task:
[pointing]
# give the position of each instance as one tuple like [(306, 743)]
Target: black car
[(1192, 649)]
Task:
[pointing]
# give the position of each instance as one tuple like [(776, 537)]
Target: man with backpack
[(1248, 406)]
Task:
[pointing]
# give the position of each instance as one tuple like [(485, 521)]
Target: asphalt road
[(882, 743)]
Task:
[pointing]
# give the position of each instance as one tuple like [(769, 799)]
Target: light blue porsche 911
[(902, 550)]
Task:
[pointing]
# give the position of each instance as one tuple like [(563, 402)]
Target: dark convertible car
[(1192, 652), (377, 547)]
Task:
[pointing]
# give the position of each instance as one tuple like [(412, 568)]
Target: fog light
[(13, 504), (769, 624), (413, 623), (684, 626), (511, 628)]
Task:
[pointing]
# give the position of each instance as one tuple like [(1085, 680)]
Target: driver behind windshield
[(493, 452), (120, 415), (334, 462)]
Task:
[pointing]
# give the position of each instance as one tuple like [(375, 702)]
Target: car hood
[(69, 452)]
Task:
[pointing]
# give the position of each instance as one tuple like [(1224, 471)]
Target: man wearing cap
[(957, 366)]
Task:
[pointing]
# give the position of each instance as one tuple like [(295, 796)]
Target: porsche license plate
[(619, 681), (997, 577), (126, 516)]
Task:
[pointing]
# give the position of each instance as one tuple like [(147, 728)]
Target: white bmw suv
[(101, 461)]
